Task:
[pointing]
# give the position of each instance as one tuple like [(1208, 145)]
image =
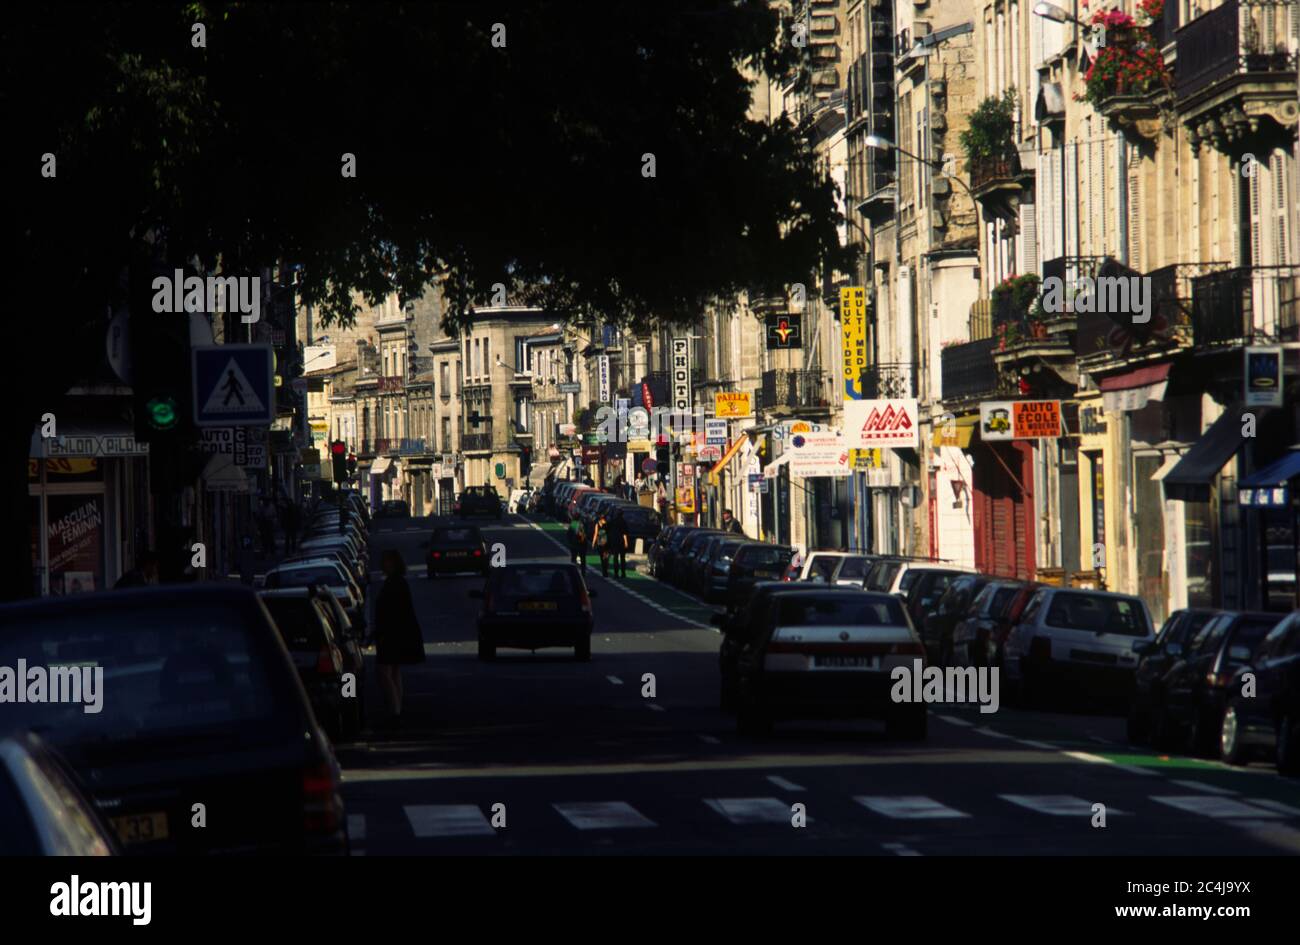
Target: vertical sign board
[(682, 374), (686, 488), (1264, 377), (853, 338), (602, 366)]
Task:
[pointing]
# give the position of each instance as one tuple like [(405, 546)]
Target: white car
[(518, 500), (896, 575), (818, 566)]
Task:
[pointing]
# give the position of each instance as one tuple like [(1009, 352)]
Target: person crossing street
[(578, 543)]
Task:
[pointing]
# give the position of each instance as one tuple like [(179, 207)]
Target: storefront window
[(1280, 571), (1200, 554), (1149, 523), (75, 543)]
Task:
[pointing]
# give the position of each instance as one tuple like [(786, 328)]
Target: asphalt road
[(538, 754)]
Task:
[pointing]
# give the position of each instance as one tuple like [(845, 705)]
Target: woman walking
[(398, 641)]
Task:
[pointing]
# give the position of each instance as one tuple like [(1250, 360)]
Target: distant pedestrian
[(729, 523), (618, 542), (144, 574), (578, 543), (600, 539), (398, 641)]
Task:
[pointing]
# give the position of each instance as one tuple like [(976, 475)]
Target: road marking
[(1086, 756), (615, 680), (447, 820), (992, 734), (953, 720), (653, 707), (1270, 804), (783, 784), (909, 807), (752, 810), (1057, 805), (1198, 786), (711, 739), (602, 815), (900, 849), (357, 826), (1220, 808)]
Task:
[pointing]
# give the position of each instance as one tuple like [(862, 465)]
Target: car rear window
[(1250, 633), (297, 619), (534, 581), (759, 556), (1002, 598), (457, 534), (167, 670), (1097, 614), (303, 577), (910, 578), (822, 566), (798, 610), (854, 568), (882, 575)]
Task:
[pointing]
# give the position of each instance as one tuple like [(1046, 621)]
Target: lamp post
[(881, 143)]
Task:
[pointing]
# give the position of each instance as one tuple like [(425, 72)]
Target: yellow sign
[(867, 459), (733, 404), (686, 500), (639, 446), (853, 338)]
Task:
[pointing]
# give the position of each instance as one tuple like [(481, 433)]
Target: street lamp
[(1050, 11), (881, 143)]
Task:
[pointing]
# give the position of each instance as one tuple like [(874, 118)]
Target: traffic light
[(661, 460), (339, 453), (525, 461), (161, 374)]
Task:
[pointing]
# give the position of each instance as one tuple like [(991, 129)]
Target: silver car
[(1067, 634)]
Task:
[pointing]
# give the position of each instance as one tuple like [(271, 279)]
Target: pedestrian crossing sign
[(233, 385)]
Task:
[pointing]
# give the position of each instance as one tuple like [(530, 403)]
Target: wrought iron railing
[(968, 370), (1236, 306), (792, 388), (889, 381), (1238, 37), (987, 171), (472, 442)]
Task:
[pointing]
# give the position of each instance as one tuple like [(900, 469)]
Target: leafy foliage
[(991, 130)]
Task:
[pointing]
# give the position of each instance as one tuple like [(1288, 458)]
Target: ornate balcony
[(968, 370), (793, 390), (1236, 73), (476, 443), (889, 381), (1236, 307)]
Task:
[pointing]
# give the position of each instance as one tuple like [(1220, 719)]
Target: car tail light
[(437, 554), (584, 601), (322, 809), (325, 661), (1218, 680), (478, 552)]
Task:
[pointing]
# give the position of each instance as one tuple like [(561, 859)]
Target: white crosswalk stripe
[(447, 820), (602, 815), (1270, 804), (909, 807), (1220, 808), (1057, 805), (752, 810), (1201, 786)]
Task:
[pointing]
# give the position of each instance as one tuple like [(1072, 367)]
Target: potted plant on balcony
[(989, 137), (1130, 66)]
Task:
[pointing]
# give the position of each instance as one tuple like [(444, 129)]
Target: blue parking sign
[(233, 385)]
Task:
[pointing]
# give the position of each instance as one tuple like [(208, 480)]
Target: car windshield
[(541, 580), (798, 610), (1001, 599), (457, 535), (822, 566), (167, 670), (303, 577), (913, 575), (764, 556), (854, 569), (1097, 614)]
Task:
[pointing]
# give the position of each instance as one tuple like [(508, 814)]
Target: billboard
[(880, 423)]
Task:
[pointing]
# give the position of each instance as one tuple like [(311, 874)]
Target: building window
[(446, 434), (474, 365), (487, 357), (444, 380)]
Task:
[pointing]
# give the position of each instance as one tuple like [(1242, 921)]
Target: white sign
[(995, 420), (819, 454), (877, 423), (786, 427), (682, 374), (91, 444), (602, 367), (240, 442), (715, 432), (318, 358)]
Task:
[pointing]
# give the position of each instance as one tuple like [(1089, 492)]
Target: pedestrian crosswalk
[(471, 820)]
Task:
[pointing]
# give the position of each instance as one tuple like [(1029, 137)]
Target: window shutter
[(1281, 238), (1134, 178), (1256, 219), (1234, 187), (1027, 257)]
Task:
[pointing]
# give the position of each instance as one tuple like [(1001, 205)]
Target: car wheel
[(1231, 748), (487, 650), (1288, 746), (907, 723), (582, 650)]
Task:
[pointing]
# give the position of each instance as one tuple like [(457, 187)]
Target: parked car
[(393, 508), (456, 548), (851, 570), (818, 566), (1195, 688), (534, 605), (358, 574), (717, 568), (642, 523), (1073, 635), (667, 559), (1269, 721), (1154, 662), (826, 653), (307, 630), (977, 636), (659, 547), (937, 599), (205, 704), (698, 578), (328, 573), (753, 562), (684, 559), (478, 500), (42, 810)]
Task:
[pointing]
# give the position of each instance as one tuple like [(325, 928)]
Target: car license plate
[(764, 574), (141, 828), (844, 662), (455, 554), (538, 605)]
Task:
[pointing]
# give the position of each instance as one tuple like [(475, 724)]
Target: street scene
[(828, 427)]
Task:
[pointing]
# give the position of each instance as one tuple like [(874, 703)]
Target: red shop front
[(1003, 508)]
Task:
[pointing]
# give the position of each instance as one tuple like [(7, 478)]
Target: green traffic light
[(162, 413)]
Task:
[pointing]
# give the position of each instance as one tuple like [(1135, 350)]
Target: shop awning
[(1275, 474), (769, 471), (380, 466), (958, 435), (1134, 389), (1208, 455), (1169, 463)]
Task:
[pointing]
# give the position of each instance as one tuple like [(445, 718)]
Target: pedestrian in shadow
[(398, 641)]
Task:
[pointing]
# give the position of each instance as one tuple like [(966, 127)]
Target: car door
[(1276, 659), (1183, 681)]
